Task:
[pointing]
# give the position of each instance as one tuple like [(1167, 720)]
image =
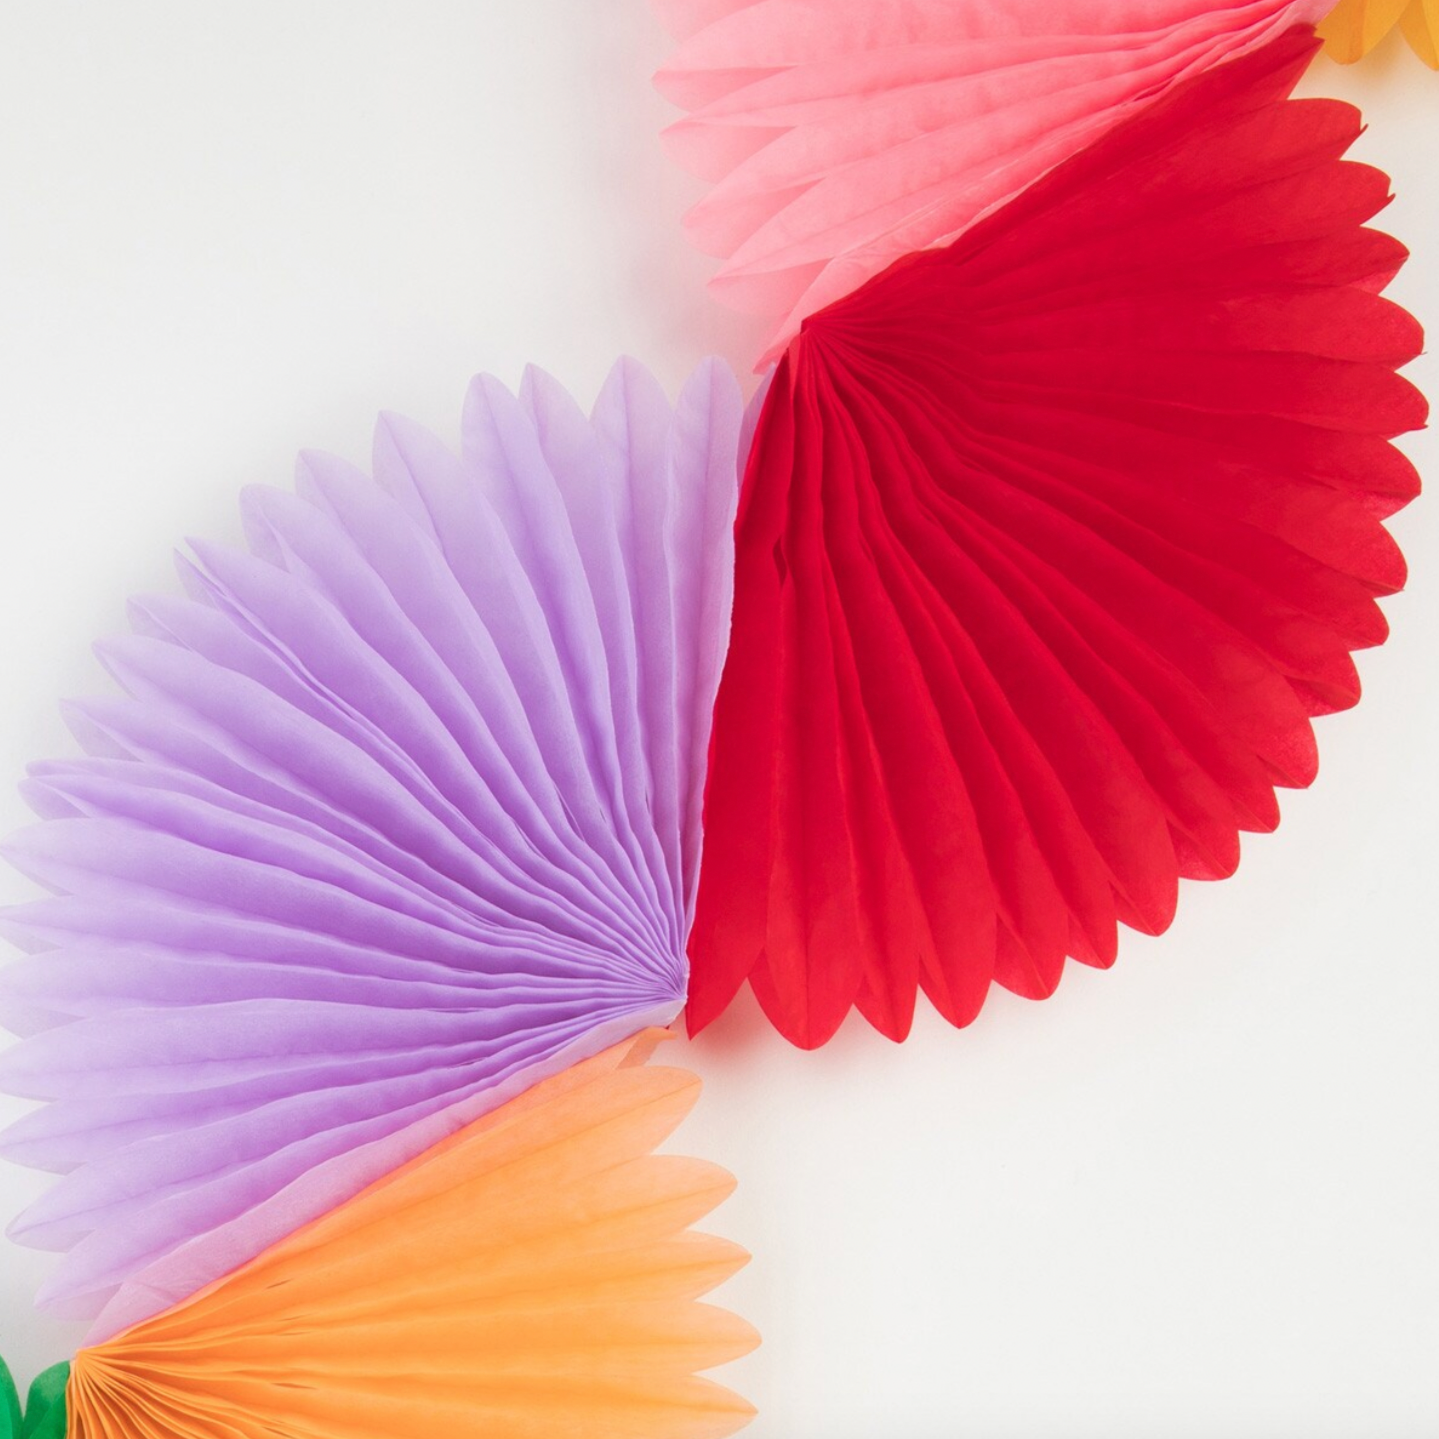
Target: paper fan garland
[(402, 814), (1354, 27), (1062, 515), (1050, 545), (841, 135), (533, 1275)]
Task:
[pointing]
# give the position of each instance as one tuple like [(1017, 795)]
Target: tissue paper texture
[(1051, 542), (1354, 27), (533, 1275), (839, 135), (401, 813), (43, 1414)]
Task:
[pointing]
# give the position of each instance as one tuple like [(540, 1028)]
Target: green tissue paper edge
[(44, 1414)]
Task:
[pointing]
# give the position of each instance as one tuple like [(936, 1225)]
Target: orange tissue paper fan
[(1354, 27), (533, 1275)]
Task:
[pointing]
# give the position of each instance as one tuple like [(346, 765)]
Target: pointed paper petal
[(402, 813), (1051, 544), (842, 135), (532, 1275), (1354, 27)]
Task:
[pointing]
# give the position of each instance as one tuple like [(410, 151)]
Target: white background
[(1193, 1196)]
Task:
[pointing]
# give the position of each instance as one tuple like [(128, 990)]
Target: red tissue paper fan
[(1050, 545)]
